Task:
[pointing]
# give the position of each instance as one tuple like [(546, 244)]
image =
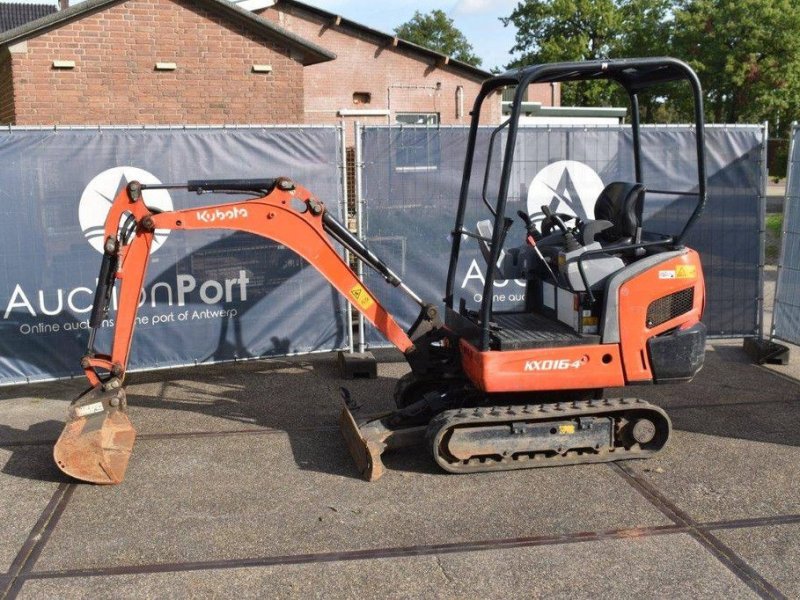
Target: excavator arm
[(98, 438)]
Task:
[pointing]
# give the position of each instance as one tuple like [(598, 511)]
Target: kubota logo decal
[(565, 186), (99, 194), (553, 364), (212, 216)]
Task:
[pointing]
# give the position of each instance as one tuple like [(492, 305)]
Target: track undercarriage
[(467, 431)]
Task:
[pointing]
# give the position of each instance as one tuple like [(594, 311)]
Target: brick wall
[(549, 94), (6, 90), (393, 78), (115, 82)]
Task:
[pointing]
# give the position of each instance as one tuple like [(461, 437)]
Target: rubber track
[(493, 415)]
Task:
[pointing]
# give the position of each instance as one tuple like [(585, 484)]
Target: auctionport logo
[(99, 195), (565, 186)]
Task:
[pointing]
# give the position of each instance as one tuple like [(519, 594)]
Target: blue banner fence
[(209, 296)]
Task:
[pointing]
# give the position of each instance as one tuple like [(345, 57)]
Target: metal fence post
[(348, 311), (787, 200), (762, 228), (359, 223)]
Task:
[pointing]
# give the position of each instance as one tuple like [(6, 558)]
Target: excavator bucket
[(97, 440), (368, 438)]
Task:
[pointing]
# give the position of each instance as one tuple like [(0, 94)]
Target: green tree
[(746, 52), (435, 30), (747, 55), (567, 30), (647, 29)]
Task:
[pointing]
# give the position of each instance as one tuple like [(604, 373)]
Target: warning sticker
[(362, 298), (89, 409), (566, 429), (680, 272)]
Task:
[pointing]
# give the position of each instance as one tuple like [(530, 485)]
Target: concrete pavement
[(240, 485)]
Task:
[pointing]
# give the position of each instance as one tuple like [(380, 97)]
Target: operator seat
[(621, 204)]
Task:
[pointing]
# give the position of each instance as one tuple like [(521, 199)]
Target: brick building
[(378, 78), (153, 62)]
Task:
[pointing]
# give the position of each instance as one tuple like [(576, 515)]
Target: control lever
[(532, 236), (571, 243), (530, 227)]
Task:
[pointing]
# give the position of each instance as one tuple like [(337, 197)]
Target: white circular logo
[(565, 186), (99, 195)]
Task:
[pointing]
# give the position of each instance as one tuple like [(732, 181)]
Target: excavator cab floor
[(97, 440), (529, 330)]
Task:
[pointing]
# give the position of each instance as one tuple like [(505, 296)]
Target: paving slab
[(26, 419), (296, 392), (774, 422), (715, 478), (773, 551), (727, 378), (630, 568), (28, 479), (279, 494)]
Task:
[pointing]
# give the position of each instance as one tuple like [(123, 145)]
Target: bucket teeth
[(97, 440)]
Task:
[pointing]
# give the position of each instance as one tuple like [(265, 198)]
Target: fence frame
[(762, 228), (787, 199)]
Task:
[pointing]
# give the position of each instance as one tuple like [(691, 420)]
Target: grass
[(775, 224), (774, 230)]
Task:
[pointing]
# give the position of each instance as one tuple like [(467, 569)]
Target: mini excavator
[(608, 304)]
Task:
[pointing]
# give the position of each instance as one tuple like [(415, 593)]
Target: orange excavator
[(608, 304)]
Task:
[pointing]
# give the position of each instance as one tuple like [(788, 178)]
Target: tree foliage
[(746, 52), (566, 30), (747, 55), (435, 30)]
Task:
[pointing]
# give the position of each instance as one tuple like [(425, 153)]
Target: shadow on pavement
[(731, 397), (299, 397), (33, 462)]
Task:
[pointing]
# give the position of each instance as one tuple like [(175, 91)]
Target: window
[(416, 149), (409, 118), (360, 98)]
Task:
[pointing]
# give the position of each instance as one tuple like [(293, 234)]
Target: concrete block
[(357, 365)]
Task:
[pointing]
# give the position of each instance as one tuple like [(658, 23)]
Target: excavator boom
[(98, 438)]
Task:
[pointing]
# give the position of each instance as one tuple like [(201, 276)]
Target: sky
[(477, 19)]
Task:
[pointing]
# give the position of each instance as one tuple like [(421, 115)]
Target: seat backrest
[(622, 204)]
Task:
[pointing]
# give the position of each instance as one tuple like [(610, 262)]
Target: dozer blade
[(368, 438), (365, 452), (97, 440)]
